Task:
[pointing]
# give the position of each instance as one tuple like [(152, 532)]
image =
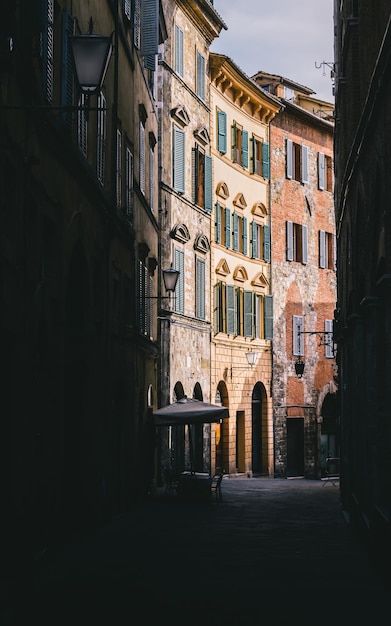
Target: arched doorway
[(222, 433), (259, 452)]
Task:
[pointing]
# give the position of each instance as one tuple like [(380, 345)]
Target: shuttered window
[(178, 51), (179, 160), (268, 319), (296, 242), (221, 132), (149, 32), (142, 157), (200, 76), (129, 183), (296, 161), (179, 264), (200, 288), (231, 310)]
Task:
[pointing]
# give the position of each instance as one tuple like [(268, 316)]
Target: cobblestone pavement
[(272, 552)]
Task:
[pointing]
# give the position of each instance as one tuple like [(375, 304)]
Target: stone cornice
[(227, 78)]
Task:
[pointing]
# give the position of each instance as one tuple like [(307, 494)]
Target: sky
[(283, 37)]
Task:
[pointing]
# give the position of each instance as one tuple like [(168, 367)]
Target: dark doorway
[(295, 446), (256, 413)]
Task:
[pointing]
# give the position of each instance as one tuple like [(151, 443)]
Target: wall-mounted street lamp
[(170, 279), (91, 56), (251, 360)]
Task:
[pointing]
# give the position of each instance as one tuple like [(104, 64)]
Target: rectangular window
[(151, 180), (325, 172), (101, 138), (296, 242), (260, 160), (221, 132), (327, 250), (260, 241), (200, 288), (222, 225), (144, 300), (239, 145), (239, 233), (200, 76), (142, 157), (179, 265), (179, 160), (129, 184), (296, 161), (220, 310), (202, 178), (178, 51)]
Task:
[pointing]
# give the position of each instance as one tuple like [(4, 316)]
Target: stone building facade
[(303, 262), (362, 166), (185, 220), (242, 299), (79, 247)]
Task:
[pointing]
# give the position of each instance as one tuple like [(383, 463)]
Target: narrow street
[(273, 551)]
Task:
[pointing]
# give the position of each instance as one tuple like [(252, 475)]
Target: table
[(194, 485)]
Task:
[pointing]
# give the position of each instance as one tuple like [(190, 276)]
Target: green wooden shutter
[(235, 234), (233, 142), (149, 26), (245, 149), (245, 235), (248, 313), (266, 243), (254, 241), (227, 228), (218, 223), (180, 287), (265, 160), (217, 317), (231, 325), (200, 288), (208, 183), (253, 155), (222, 132), (179, 160), (268, 321), (178, 50)]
